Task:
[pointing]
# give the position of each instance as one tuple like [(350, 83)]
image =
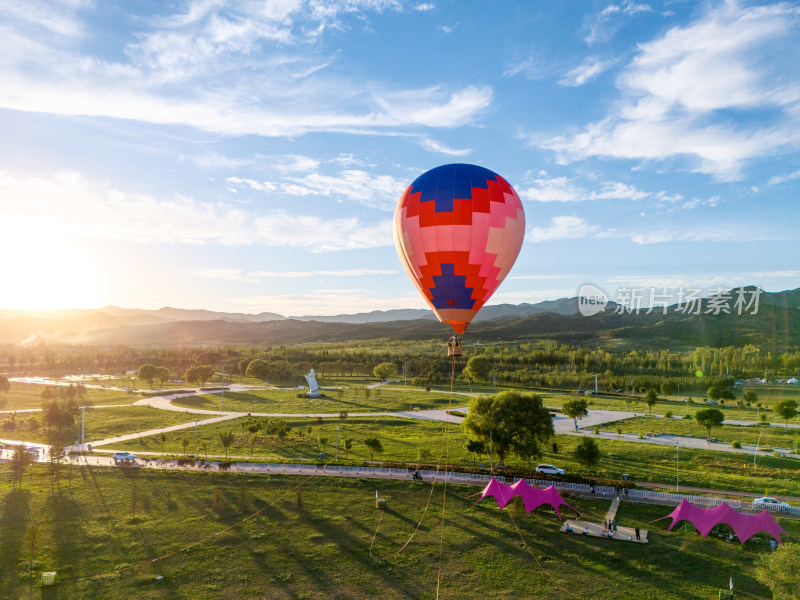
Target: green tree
[(348, 444), (147, 373), (475, 447), (257, 369), (374, 446), (515, 422), (575, 409), (162, 374), (650, 398), (185, 441), (587, 452), (714, 393), (786, 410), (385, 370), (751, 396), (192, 376), (709, 418), (778, 571), (477, 368), (20, 460), (163, 438), (226, 438), (204, 373)]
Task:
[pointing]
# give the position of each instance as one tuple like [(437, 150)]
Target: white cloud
[(586, 71), (779, 179), (321, 235), (260, 186), (711, 233), (565, 227), (424, 6), (226, 274), (432, 145), (69, 203), (252, 276), (603, 26), (382, 191), (562, 189), (679, 91), (334, 303), (230, 69)]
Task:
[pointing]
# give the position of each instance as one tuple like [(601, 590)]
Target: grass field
[(104, 422), (23, 396), (312, 539), (402, 440), (773, 437), (335, 401), (409, 440)]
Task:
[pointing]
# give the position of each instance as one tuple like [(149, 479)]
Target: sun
[(43, 269)]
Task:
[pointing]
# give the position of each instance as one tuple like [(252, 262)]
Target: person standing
[(638, 537)]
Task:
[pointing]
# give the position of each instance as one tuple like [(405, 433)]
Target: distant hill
[(777, 325)]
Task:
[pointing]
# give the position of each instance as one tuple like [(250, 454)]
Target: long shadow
[(13, 523), (353, 548)]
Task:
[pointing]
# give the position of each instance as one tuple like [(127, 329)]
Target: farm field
[(313, 538)]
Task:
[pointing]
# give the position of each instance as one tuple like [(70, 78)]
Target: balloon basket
[(454, 347)]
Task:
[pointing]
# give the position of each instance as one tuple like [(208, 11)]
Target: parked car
[(549, 470), (772, 504), (34, 452), (124, 457)]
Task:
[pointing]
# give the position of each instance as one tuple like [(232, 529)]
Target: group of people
[(609, 527)]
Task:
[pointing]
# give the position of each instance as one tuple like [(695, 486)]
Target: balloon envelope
[(458, 230)]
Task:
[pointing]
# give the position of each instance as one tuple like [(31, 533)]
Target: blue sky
[(247, 156)]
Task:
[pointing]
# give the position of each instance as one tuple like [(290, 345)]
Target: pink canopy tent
[(531, 497), (744, 526)]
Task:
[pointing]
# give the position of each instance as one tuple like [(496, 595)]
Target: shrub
[(619, 430), (668, 414), (736, 444)]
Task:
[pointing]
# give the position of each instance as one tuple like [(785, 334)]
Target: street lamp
[(405, 359), (677, 488)]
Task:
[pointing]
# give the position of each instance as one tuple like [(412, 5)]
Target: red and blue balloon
[(458, 230)]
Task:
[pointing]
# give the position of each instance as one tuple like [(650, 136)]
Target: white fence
[(481, 479)]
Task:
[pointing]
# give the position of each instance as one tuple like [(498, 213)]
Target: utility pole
[(223, 385), (195, 438), (677, 488), (491, 453), (337, 443), (595, 384), (405, 359), (83, 425)]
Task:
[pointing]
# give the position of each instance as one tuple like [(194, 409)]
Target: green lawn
[(334, 401), (772, 437), (312, 539), (24, 396), (102, 423), (697, 468), (402, 440)]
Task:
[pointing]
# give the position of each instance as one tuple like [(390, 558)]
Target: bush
[(736, 444), (668, 414), (688, 416)]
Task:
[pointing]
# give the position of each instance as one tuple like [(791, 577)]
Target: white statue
[(313, 388)]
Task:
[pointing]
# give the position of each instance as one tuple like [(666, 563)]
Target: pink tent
[(744, 526), (531, 497)]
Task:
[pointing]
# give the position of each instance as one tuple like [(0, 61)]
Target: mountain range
[(776, 325)]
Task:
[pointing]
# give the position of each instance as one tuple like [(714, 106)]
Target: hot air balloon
[(458, 230)]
